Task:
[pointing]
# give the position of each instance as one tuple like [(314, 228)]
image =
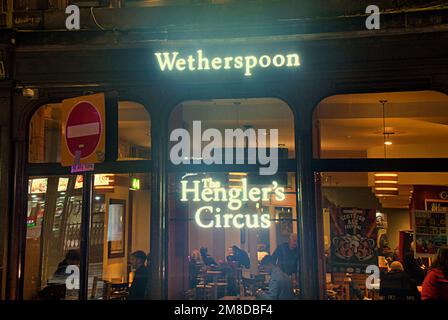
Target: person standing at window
[(286, 255), (435, 286)]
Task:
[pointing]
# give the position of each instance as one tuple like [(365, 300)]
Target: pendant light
[(386, 183)]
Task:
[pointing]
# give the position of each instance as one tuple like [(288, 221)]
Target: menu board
[(353, 239), (430, 232), (436, 205), (63, 184)]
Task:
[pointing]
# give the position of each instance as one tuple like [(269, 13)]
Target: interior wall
[(141, 221), (360, 197), (116, 267), (397, 220)]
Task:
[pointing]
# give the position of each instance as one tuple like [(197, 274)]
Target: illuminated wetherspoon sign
[(172, 61), (212, 193)]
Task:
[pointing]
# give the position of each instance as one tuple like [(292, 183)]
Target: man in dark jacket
[(286, 255), (241, 257), (140, 281), (412, 267)]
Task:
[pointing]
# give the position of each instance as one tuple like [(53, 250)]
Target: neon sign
[(172, 61), (211, 192)]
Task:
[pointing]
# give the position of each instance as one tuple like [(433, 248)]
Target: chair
[(117, 291), (204, 292)]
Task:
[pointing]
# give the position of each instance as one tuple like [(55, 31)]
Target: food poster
[(353, 239)]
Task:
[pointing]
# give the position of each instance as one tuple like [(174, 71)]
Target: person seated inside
[(139, 284), (206, 258), (194, 266), (58, 286), (230, 255), (280, 284), (435, 286), (72, 258), (412, 266), (398, 285)]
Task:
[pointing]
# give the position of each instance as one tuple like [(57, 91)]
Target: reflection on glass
[(134, 132), (52, 238), (360, 227), (222, 225), (221, 114)]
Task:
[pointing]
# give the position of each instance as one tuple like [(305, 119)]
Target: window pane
[(218, 240), (258, 114), (134, 131), (371, 219), (53, 237), (411, 125), (120, 226)]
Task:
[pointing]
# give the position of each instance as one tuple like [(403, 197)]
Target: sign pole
[(85, 227)]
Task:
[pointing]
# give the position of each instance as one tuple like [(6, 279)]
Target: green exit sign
[(135, 184)]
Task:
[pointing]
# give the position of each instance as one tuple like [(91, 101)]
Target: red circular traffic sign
[(83, 129)]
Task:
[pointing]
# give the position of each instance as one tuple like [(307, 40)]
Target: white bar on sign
[(82, 130)]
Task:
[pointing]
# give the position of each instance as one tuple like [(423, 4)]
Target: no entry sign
[(83, 130)]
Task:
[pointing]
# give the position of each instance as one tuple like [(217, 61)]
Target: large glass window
[(382, 125), (364, 223), (119, 230), (223, 224), (119, 227), (240, 114), (216, 246), (134, 133), (370, 221), (53, 236)]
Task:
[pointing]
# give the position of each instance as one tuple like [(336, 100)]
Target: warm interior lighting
[(386, 175), (386, 184), (388, 143), (237, 174), (386, 189)]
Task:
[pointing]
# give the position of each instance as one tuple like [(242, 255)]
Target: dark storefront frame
[(302, 93)]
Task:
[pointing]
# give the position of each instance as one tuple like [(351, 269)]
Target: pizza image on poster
[(353, 239)]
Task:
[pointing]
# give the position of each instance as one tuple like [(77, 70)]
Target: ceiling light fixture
[(386, 133), (386, 184), (387, 141)]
